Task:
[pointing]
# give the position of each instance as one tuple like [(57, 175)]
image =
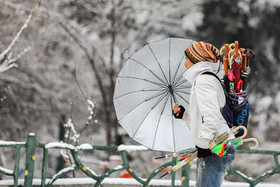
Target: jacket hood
[(196, 70)]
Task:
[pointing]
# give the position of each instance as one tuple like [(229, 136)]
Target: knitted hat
[(202, 51)]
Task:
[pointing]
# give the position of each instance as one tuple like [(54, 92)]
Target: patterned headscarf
[(202, 51)]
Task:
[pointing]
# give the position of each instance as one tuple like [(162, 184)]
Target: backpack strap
[(222, 83), (226, 110), (213, 74)]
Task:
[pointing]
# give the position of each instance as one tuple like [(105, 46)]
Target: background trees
[(92, 39)]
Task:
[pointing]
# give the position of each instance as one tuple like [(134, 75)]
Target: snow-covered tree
[(107, 32)]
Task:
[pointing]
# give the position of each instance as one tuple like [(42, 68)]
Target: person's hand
[(178, 111), (202, 153)]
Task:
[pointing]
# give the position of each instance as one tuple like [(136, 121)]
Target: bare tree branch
[(7, 64), (90, 58), (78, 84)]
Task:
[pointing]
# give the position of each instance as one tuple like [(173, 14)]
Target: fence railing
[(31, 145)]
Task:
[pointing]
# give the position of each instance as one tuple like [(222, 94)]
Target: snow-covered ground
[(127, 182)]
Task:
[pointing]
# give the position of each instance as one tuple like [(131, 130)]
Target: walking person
[(204, 114)]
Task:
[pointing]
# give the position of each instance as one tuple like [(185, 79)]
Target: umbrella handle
[(236, 44), (231, 56), (234, 48), (237, 128), (231, 46), (226, 49), (244, 61), (252, 140), (248, 52), (225, 60), (221, 51), (225, 66)]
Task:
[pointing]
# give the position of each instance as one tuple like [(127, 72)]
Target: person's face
[(188, 63)]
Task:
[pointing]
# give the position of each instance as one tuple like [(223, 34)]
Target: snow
[(239, 184), (70, 125), (130, 148), (6, 170), (2, 55), (118, 181), (10, 63), (142, 17), (243, 175), (91, 171), (191, 21), (62, 145), (31, 134), (63, 153), (10, 143), (62, 171), (85, 146), (277, 101), (111, 181), (272, 2), (59, 145), (268, 172), (91, 106), (118, 167)]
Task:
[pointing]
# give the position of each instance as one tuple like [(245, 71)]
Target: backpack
[(235, 115), (235, 83)]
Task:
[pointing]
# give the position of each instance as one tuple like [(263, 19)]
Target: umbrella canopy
[(146, 90)]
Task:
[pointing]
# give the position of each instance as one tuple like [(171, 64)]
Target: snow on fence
[(105, 178)]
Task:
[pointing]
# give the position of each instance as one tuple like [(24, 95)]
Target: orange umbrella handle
[(244, 62), (226, 50), (236, 48), (226, 66)]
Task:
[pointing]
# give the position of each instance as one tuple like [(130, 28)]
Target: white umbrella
[(146, 90)]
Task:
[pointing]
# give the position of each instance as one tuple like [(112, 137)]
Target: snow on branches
[(7, 61), (70, 127), (91, 107), (71, 133)]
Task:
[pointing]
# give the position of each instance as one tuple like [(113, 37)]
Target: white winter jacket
[(206, 100)]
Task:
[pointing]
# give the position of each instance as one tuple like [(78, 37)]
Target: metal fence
[(31, 145)]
